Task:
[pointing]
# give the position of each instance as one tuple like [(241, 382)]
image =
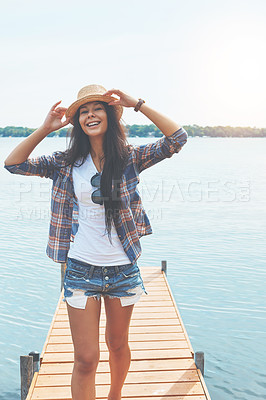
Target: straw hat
[(91, 93)]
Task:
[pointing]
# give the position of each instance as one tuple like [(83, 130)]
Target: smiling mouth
[(92, 124)]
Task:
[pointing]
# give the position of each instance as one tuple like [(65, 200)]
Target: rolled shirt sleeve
[(43, 166), (165, 147)]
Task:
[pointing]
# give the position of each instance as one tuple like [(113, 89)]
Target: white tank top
[(91, 243)]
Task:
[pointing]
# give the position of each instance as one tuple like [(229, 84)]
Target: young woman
[(97, 219)]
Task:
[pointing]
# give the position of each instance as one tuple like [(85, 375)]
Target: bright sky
[(199, 61)]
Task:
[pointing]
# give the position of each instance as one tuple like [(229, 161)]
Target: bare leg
[(84, 326), (116, 336)]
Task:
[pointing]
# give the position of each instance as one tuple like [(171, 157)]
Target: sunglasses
[(96, 196)]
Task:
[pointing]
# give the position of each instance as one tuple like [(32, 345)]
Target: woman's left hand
[(124, 99)]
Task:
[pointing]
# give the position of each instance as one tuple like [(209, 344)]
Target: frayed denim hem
[(77, 298)]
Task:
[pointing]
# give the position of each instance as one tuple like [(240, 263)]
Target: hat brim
[(73, 108)]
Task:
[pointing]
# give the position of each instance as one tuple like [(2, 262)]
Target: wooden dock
[(162, 365)]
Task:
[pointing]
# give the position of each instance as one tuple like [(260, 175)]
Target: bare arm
[(52, 122), (22, 151), (165, 124)]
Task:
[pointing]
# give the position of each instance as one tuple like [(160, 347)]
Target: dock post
[(199, 361), (63, 270), (164, 267), (26, 374), (36, 359)]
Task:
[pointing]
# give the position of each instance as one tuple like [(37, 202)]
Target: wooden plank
[(139, 365), (132, 329), (133, 337), (146, 389), (135, 355), (167, 344), (135, 316), (185, 397), (132, 377), (141, 308), (136, 312), (152, 279), (206, 392), (134, 322), (155, 293), (32, 386), (66, 395)]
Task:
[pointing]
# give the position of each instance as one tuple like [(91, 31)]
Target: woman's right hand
[(53, 121)]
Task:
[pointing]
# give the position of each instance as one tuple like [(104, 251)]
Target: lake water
[(207, 207)]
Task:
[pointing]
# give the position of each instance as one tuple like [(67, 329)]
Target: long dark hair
[(116, 150)]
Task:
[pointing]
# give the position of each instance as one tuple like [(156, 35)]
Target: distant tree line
[(152, 131), (224, 131)]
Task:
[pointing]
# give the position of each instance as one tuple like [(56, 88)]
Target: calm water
[(207, 207)]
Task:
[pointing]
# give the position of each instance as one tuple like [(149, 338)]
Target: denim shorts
[(83, 280)]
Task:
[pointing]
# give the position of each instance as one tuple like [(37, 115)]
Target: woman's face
[(93, 119)]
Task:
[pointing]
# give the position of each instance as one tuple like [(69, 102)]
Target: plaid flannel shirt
[(132, 221)]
